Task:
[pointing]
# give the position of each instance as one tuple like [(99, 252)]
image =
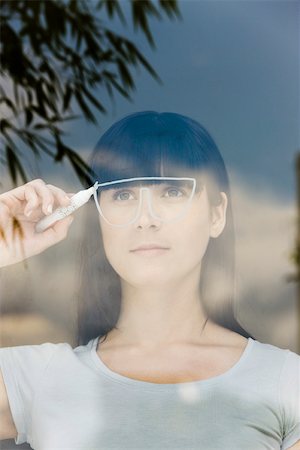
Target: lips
[(149, 247)]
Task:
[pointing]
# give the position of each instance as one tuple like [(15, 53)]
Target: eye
[(120, 193), (174, 190)]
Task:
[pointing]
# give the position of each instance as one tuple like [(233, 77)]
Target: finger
[(4, 220), (33, 192), (55, 233), (39, 194), (19, 192), (61, 195), (31, 197), (51, 194), (4, 212)]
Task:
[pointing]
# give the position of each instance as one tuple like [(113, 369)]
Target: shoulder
[(290, 380), (42, 350), (32, 358), (269, 359), (223, 337), (282, 367), (27, 362), (40, 354), (284, 355), (25, 366), (289, 399), (272, 356)]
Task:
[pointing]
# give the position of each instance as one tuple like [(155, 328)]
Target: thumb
[(62, 226), (59, 229)]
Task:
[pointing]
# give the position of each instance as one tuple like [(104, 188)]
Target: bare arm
[(7, 427), (16, 246)]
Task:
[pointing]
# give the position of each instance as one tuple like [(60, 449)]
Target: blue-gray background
[(234, 67)]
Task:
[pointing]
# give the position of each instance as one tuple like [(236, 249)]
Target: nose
[(145, 218)]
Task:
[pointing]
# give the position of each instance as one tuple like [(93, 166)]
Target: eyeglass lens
[(120, 202)]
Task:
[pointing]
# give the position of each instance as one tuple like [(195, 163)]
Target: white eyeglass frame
[(124, 180)]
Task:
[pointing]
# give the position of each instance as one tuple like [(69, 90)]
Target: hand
[(18, 239)]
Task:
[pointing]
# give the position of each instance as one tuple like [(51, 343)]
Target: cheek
[(113, 243), (193, 238)]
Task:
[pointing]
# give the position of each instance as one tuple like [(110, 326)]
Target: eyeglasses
[(119, 202)]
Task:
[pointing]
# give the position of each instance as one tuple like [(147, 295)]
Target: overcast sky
[(234, 67)]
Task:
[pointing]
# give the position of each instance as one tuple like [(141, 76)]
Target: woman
[(175, 369)]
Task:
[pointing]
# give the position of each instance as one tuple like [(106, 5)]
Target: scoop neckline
[(117, 377)]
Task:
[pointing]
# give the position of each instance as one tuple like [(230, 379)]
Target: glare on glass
[(119, 202)]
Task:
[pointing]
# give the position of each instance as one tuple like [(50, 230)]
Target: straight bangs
[(152, 144)]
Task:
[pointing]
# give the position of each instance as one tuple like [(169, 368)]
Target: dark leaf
[(125, 74), (4, 124), (93, 100), (16, 93), (46, 68), (87, 112), (54, 16), (61, 149), (40, 126), (147, 66), (44, 147), (111, 8), (83, 170), (117, 42), (14, 165), (67, 97), (171, 8), (30, 139), (8, 103), (29, 116), (120, 88), (140, 10), (39, 56)]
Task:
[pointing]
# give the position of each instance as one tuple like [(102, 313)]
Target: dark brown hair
[(149, 143)]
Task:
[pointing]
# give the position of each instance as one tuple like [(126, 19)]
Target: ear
[(218, 216)]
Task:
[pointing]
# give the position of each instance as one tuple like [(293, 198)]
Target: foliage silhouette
[(55, 53)]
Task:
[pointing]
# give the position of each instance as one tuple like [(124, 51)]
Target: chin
[(149, 278)]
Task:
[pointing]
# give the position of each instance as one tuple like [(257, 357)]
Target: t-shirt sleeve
[(22, 369), (289, 397)]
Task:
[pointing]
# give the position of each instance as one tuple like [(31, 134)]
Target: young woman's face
[(185, 242)]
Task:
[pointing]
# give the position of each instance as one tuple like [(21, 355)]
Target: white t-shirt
[(65, 398)]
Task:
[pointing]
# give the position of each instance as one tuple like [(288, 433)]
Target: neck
[(155, 316)]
